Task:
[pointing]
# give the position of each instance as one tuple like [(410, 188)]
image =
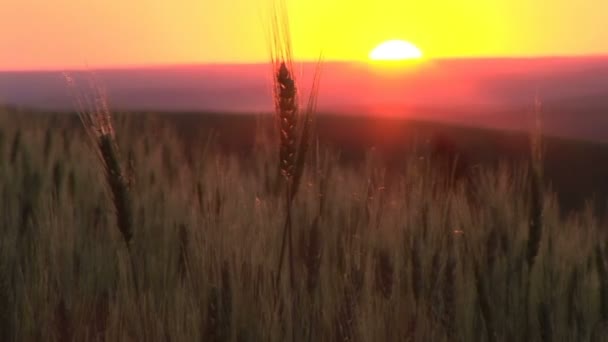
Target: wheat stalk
[(535, 222), (536, 192), (96, 118), (294, 127), (287, 110), (97, 121)]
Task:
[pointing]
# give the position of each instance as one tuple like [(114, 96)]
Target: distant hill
[(576, 170), (496, 93)]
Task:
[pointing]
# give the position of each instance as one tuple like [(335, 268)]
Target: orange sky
[(57, 34)]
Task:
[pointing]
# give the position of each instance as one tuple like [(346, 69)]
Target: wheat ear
[(97, 121), (294, 129)]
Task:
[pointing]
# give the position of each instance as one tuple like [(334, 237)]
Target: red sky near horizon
[(60, 34)]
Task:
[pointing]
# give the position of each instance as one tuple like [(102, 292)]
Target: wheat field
[(418, 255)]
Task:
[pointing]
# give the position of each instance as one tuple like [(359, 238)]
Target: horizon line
[(126, 66)]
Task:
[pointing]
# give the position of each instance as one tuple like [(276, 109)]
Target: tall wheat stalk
[(96, 118), (535, 220), (536, 191), (294, 127)]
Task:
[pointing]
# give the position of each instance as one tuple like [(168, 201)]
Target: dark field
[(575, 169), (402, 231)]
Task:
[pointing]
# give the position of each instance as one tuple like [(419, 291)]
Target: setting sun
[(395, 50)]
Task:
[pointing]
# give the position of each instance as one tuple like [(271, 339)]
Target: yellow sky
[(43, 34)]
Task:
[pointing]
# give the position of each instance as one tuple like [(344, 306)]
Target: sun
[(395, 50)]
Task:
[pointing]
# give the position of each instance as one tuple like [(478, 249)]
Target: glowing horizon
[(39, 34)]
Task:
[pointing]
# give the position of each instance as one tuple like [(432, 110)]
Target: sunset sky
[(58, 34)]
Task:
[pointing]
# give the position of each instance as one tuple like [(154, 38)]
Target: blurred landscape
[(484, 108), (430, 205), (494, 93), (299, 171)]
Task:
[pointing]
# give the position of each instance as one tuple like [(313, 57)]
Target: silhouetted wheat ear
[(97, 121), (535, 227), (118, 187), (294, 132), (287, 110)]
